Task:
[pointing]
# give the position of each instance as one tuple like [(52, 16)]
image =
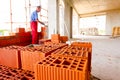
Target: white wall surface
[(112, 20)]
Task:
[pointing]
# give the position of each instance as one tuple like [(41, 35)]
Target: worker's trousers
[(34, 32)]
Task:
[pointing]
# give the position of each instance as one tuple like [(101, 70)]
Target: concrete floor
[(105, 57)]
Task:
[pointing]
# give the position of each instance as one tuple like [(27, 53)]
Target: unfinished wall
[(112, 20)]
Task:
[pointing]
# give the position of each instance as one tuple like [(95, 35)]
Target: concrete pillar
[(67, 19), (52, 17)]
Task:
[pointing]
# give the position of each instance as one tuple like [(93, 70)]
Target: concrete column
[(52, 17), (67, 19)]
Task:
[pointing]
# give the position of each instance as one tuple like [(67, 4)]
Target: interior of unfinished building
[(59, 39)]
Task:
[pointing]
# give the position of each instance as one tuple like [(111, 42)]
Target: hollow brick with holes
[(61, 68)]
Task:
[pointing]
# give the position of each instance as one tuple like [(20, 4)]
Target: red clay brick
[(7, 73), (55, 38), (63, 39), (29, 58), (61, 68), (20, 30), (43, 29), (32, 55), (77, 52), (82, 44), (10, 57), (42, 41), (87, 46)]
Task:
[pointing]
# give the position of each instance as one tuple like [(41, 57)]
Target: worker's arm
[(40, 22)]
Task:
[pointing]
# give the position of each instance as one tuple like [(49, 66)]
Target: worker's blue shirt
[(34, 16)]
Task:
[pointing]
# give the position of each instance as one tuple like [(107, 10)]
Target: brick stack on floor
[(69, 63), (10, 56), (32, 55), (21, 38), (49, 61), (61, 68), (55, 38), (8, 73)]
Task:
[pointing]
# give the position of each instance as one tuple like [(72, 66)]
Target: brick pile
[(50, 61), (69, 63), (55, 38), (61, 68), (87, 46), (32, 55), (10, 56), (8, 73), (63, 39)]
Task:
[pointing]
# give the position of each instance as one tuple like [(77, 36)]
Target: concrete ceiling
[(85, 7)]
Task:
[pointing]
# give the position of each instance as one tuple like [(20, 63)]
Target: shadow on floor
[(94, 78)]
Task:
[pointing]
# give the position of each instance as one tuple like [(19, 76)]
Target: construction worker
[(34, 24)]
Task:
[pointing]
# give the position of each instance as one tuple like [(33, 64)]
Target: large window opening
[(92, 25), (16, 13)]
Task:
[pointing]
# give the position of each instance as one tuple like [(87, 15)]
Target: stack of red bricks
[(82, 44), (69, 63), (77, 52), (69, 51), (32, 55), (59, 45), (10, 56), (56, 38), (87, 46), (24, 37), (42, 41), (20, 38), (8, 40), (61, 68), (26, 57), (51, 61), (8, 73), (63, 39), (20, 30)]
